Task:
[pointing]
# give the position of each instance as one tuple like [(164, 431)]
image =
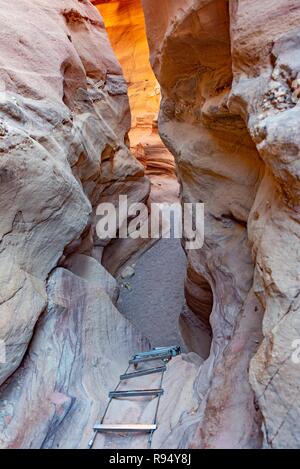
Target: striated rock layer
[(266, 89), (229, 74), (64, 119), (64, 122), (124, 21), (80, 347)]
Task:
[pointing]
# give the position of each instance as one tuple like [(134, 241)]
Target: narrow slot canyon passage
[(118, 117), (152, 282)]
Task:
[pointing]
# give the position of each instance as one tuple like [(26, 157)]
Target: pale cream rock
[(80, 347), (229, 114), (63, 101)]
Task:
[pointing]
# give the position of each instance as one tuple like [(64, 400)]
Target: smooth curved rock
[(218, 164), (124, 22), (80, 347), (229, 114), (270, 103), (94, 273), (63, 102)]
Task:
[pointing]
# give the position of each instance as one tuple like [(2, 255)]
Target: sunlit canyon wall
[(124, 21)]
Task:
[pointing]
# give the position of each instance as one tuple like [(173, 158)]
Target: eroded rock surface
[(124, 21), (229, 74), (64, 116), (266, 90), (229, 78), (80, 347), (64, 148)]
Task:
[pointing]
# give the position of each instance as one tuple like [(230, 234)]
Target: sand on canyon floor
[(154, 297)]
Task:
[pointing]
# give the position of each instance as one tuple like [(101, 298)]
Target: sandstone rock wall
[(64, 119), (228, 73), (124, 21), (266, 90), (63, 105), (64, 123), (80, 347)]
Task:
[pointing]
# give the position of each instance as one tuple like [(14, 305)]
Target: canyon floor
[(154, 297)]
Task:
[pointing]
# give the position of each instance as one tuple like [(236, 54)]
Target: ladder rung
[(165, 356), (150, 371), (173, 350), (133, 393), (152, 353), (107, 427)]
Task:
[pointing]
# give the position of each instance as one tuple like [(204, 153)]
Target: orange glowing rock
[(125, 24), (124, 21)]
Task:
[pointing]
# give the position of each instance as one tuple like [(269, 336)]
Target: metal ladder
[(164, 354)]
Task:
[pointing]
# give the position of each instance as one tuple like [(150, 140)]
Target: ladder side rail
[(156, 412), (92, 441)]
